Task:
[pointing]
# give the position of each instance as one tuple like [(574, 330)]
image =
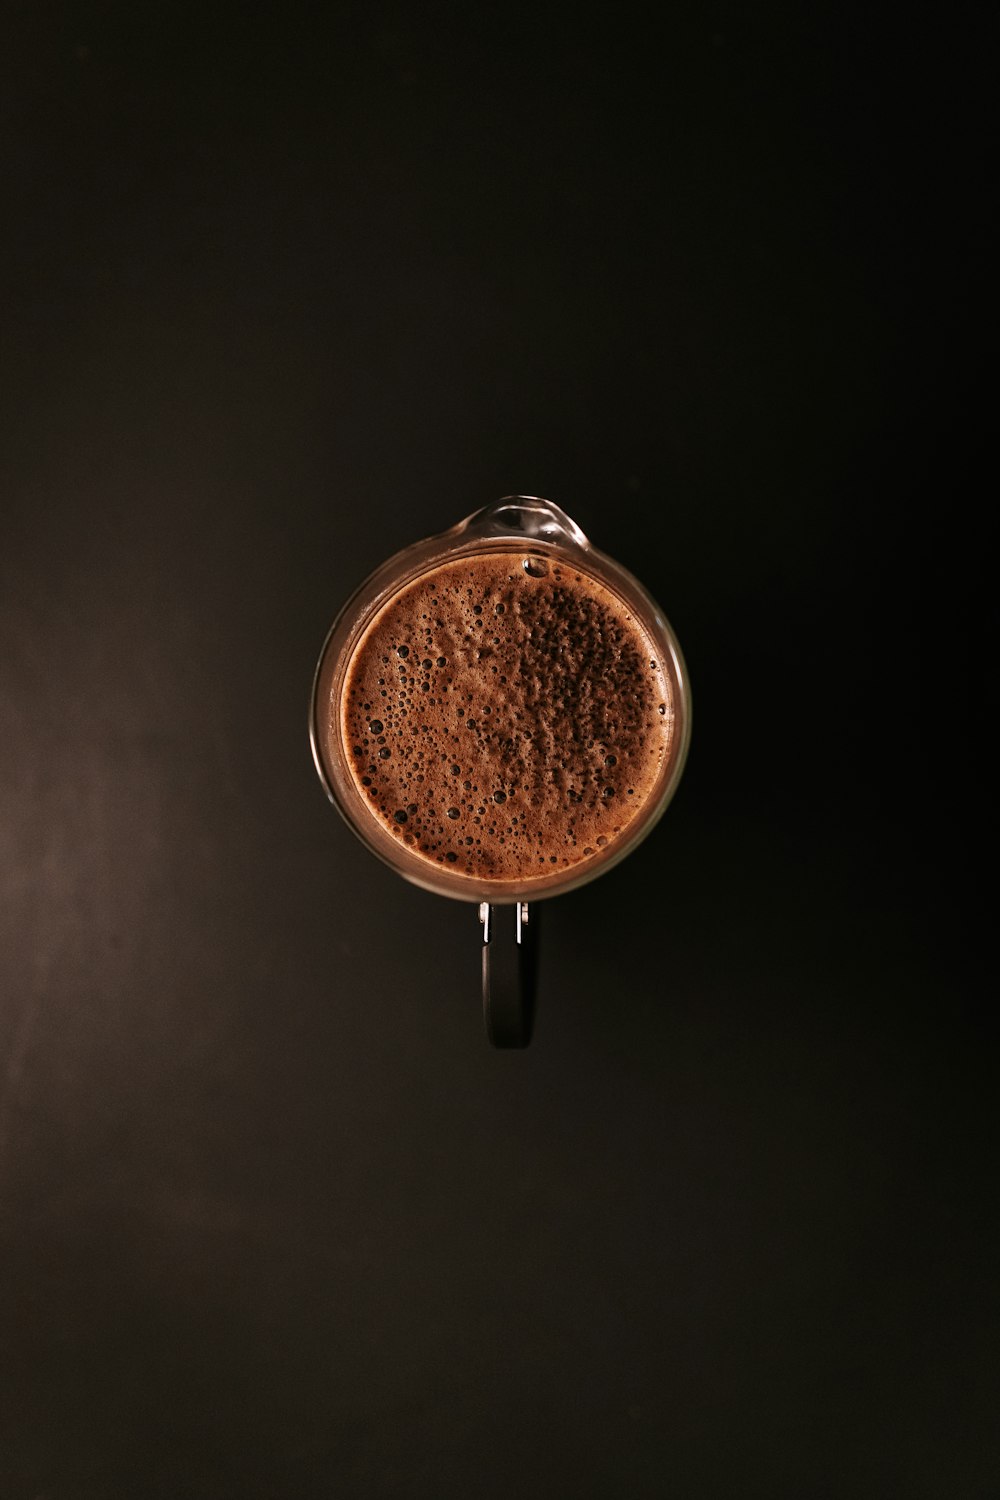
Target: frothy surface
[(506, 717)]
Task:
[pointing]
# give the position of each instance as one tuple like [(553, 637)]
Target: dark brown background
[(281, 295)]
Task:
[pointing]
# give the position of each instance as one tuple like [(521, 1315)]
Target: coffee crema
[(506, 717)]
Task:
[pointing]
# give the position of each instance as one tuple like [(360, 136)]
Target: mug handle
[(510, 967)]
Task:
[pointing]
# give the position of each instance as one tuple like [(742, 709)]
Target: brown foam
[(505, 725)]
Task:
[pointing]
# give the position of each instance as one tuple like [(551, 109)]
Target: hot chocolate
[(506, 717)]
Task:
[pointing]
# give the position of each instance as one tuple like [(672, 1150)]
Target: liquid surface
[(506, 717)]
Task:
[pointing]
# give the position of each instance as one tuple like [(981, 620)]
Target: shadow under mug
[(534, 530)]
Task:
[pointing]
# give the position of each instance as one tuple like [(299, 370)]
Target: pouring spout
[(527, 516)]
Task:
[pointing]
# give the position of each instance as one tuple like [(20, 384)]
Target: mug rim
[(397, 573)]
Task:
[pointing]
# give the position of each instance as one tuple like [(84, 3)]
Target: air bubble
[(535, 567), (376, 726)]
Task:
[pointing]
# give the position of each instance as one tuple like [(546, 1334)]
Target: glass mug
[(595, 696)]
